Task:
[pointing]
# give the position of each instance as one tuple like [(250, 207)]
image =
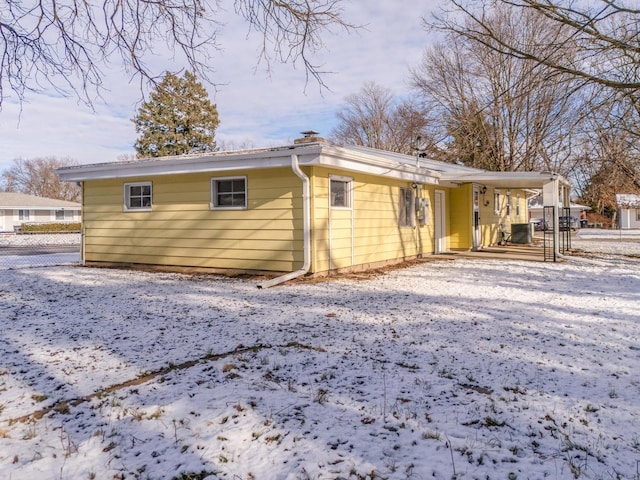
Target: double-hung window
[(340, 192), (496, 202), (508, 203), (137, 196), (59, 214), (229, 193), (406, 208), (23, 215)]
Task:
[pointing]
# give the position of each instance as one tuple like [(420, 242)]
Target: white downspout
[(306, 222)]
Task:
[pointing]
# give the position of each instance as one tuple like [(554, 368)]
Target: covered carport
[(555, 195)]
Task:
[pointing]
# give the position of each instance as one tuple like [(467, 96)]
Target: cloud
[(256, 106)]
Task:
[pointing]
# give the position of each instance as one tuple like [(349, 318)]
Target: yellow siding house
[(306, 208)]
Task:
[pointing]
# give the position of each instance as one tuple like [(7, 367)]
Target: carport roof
[(523, 180)]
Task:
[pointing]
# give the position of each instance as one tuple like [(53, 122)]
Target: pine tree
[(178, 119)]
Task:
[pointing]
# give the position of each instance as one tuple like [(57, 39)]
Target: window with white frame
[(406, 216), (508, 203), (496, 201), (517, 205), (229, 193), (137, 196), (23, 215), (59, 214), (340, 192), (638, 214)]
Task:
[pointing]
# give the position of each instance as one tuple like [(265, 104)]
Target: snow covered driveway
[(449, 369)]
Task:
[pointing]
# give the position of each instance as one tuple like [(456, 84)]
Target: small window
[(517, 205), (508, 203), (59, 214), (229, 193), (496, 201), (340, 192), (23, 215), (638, 214), (137, 196), (406, 208)]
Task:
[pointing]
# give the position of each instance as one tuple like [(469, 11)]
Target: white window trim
[(349, 192), (213, 192), (126, 194), (638, 214), (518, 209), (508, 204), (497, 207), (21, 211), (55, 215)]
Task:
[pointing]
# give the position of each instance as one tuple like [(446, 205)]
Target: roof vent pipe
[(306, 222)]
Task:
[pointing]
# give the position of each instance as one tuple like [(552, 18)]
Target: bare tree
[(65, 45), (494, 111), (37, 177), (374, 118), (610, 157), (601, 37)]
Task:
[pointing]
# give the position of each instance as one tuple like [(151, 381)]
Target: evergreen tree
[(177, 119)]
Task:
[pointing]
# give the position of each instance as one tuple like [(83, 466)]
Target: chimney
[(310, 136)]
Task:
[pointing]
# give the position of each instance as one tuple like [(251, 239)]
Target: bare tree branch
[(64, 45), (605, 38)]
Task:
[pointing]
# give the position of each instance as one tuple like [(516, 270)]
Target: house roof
[(21, 201), (628, 200), (351, 158), (375, 162)]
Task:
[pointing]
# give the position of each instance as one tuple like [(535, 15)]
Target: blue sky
[(256, 107)]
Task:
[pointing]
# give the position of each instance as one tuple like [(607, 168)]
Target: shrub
[(51, 227)]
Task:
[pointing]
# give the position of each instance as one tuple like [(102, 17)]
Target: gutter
[(306, 221)]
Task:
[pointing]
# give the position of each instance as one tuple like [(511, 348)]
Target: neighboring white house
[(628, 210), (18, 208)]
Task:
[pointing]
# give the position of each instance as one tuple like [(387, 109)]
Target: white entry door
[(440, 224), (476, 217)]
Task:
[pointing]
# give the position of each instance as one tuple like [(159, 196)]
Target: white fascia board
[(174, 166), (524, 180), (372, 165), (309, 155)]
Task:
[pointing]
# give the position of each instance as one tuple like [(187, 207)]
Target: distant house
[(628, 210), (18, 208), (577, 212), (308, 207)]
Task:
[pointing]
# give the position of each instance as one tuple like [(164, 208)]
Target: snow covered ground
[(448, 369), (13, 249)]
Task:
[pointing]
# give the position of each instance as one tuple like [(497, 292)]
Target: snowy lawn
[(448, 369)]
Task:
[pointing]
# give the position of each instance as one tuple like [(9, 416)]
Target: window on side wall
[(23, 214), (517, 205), (508, 203), (137, 196), (59, 214), (496, 201), (229, 193), (340, 192), (638, 214), (406, 208)]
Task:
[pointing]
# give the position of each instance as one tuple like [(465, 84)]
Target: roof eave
[(309, 154)]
